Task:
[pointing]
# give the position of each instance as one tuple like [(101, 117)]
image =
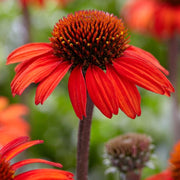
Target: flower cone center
[(6, 173), (129, 152), (89, 37)]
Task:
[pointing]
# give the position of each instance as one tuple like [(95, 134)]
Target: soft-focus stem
[(133, 175), (26, 24), (26, 39), (83, 142), (173, 70)]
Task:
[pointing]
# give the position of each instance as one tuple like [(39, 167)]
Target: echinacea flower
[(158, 17), (129, 152), (8, 171), (91, 45), (12, 125)]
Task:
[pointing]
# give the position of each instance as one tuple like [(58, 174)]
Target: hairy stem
[(173, 70), (26, 39), (83, 142), (27, 24), (133, 175)]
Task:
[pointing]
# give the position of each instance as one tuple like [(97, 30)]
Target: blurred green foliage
[(55, 122)]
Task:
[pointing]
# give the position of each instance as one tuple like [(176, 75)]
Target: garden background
[(55, 121)]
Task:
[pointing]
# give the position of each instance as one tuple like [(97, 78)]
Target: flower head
[(12, 125), (158, 17), (8, 171), (91, 45), (129, 152)]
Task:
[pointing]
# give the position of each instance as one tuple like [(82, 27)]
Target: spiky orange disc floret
[(6, 172), (89, 37)]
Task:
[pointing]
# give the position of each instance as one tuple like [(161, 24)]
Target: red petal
[(24, 65), (29, 161), (46, 87), (136, 52), (101, 91), (77, 92), (143, 74), (45, 174), (29, 51), (18, 149), (34, 73), (11, 145), (127, 94)]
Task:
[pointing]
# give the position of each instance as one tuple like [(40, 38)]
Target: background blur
[(55, 122)]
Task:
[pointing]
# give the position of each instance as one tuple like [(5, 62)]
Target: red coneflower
[(93, 46), (12, 125), (13, 148), (158, 17)]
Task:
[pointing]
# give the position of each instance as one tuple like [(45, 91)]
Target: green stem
[(83, 142)]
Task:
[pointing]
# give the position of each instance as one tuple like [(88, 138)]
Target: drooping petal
[(18, 149), (136, 52), (77, 92), (29, 161), (13, 144), (127, 94), (24, 65), (143, 74), (46, 87), (101, 91), (45, 174), (21, 67), (34, 73), (29, 51)]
